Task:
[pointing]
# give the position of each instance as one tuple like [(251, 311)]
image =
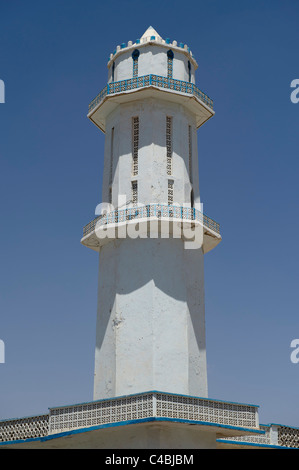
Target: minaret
[(153, 235)]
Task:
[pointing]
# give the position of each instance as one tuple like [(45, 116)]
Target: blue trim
[(253, 444), (128, 422), (282, 425), (168, 82)]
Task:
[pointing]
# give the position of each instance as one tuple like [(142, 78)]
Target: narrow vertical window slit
[(111, 165), (169, 145), (190, 153), (135, 132), (134, 192), (170, 192), (189, 71), (135, 56)]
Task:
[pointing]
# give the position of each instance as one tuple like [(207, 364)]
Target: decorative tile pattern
[(169, 145), (135, 56), (171, 84), (149, 405), (170, 192), (101, 412), (252, 439), (134, 192), (288, 437), (169, 65), (152, 404), (24, 428), (135, 134), (199, 409)]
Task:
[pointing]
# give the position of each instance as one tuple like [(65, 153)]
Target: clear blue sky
[(53, 58)]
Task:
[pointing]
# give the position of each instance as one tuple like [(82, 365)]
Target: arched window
[(189, 71), (135, 55), (113, 69), (169, 63)]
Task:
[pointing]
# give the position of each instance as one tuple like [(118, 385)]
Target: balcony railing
[(147, 81), (24, 428), (157, 405), (152, 210)]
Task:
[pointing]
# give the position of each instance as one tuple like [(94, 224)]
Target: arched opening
[(189, 71), (135, 55)]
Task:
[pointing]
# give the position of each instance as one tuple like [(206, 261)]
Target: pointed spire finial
[(150, 32)]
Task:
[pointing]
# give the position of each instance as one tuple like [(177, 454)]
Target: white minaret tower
[(153, 236)]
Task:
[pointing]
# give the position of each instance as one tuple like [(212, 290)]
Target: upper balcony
[(185, 93)]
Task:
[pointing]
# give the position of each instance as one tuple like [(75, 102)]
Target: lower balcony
[(153, 220)]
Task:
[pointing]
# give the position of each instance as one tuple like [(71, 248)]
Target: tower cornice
[(183, 48), (151, 37)]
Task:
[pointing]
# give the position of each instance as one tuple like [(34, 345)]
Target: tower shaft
[(150, 327)]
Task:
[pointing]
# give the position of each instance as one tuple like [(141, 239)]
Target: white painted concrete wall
[(152, 60), (150, 325), (152, 175)]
